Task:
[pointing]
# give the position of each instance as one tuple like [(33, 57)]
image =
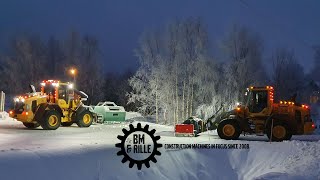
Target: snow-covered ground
[(132, 115), (90, 154)]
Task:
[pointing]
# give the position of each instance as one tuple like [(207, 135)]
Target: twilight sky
[(118, 24)]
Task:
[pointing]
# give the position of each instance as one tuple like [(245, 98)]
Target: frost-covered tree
[(90, 78), (145, 81), (24, 65), (175, 75), (315, 74), (31, 59), (55, 58), (116, 87), (288, 75), (244, 49)]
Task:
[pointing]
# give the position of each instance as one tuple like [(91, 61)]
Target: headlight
[(55, 84), (27, 107), (16, 99), (70, 86), (22, 99)]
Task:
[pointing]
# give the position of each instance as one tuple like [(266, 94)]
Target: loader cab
[(66, 96), (66, 92), (259, 99), (57, 92), (49, 88)]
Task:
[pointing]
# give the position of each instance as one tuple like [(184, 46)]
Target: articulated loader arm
[(32, 88), (83, 95), (215, 118)]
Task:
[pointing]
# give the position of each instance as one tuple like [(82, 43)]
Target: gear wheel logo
[(138, 146)]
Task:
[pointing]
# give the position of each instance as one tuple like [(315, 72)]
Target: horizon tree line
[(178, 77)]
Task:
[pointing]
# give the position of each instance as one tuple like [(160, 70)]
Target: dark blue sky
[(118, 24)]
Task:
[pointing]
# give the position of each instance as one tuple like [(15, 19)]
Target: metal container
[(110, 112)]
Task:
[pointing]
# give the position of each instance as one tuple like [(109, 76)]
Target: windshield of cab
[(257, 100), (48, 89)]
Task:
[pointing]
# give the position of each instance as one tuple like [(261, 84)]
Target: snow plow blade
[(183, 130)]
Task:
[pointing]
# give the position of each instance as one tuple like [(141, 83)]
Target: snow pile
[(4, 115), (133, 115), (89, 153)]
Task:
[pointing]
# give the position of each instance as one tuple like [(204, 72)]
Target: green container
[(110, 112)]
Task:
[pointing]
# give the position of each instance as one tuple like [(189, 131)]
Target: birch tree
[(315, 75), (173, 70), (27, 58), (244, 49), (288, 75)]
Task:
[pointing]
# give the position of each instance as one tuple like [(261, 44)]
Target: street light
[(73, 72)]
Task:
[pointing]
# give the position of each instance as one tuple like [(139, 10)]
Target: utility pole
[(2, 101)]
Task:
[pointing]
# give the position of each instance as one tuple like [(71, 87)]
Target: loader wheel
[(84, 119), (51, 121), (31, 125), (228, 129), (280, 132), (66, 124)]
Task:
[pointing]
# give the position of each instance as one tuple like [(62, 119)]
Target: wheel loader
[(260, 115), (56, 104)]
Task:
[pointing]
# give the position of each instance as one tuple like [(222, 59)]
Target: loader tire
[(280, 131), (84, 119), (66, 124), (51, 120), (31, 125), (228, 129)]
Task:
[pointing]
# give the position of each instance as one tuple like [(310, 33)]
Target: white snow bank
[(4, 115), (102, 163), (89, 154), (132, 115)]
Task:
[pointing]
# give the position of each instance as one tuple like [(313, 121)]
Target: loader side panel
[(288, 119), (56, 107), (34, 106), (40, 112), (80, 110)]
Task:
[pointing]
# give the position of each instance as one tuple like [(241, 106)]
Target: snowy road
[(89, 153)]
